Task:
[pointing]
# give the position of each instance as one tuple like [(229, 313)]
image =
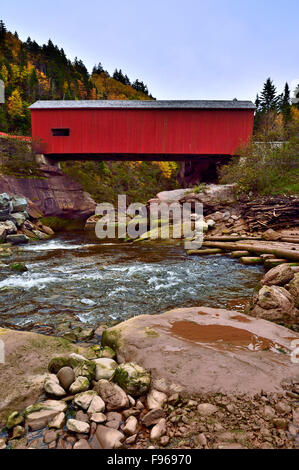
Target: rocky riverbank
[(18, 225), (166, 385)]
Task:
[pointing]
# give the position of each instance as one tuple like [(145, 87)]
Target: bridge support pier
[(202, 171)]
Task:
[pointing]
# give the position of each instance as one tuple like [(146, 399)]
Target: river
[(77, 277)]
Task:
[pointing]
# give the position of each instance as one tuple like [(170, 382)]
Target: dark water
[(77, 277)]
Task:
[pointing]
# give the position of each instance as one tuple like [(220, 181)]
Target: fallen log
[(258, 249)]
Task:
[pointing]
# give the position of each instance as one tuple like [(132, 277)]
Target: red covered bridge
[(141, 130)]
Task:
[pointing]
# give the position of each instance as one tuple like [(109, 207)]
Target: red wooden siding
[(143, 131)]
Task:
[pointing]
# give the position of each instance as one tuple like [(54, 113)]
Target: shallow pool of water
[(78, 277)]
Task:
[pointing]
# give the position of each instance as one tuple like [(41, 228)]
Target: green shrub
[(265, 168), (17, 158)]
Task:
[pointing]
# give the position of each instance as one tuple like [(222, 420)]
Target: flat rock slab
[(25, 367), (206, 350)]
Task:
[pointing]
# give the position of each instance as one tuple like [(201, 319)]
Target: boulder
[(274, 303), (14, 419), (58, 421), (294, 289), (18, 239), (172, 196), (271, 235), (98, 418), (19, 218), (9, 227), (19, 204), (78, 426), (2, 233), (4, 201), (105, 368), (52, 387), (66, 377), (131, 426), (114, 397), (83, 400), (82, 366), (97, 405), (132, 378), (278, 276), (231, 353), (206, 409), (158, 430), (152, 417), (81, 384), (107, 438), (82, 444), (156, 399), (39, 415)]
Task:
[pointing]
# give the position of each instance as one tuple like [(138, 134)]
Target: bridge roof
[(138, 104)]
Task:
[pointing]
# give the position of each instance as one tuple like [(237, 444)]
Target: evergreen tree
[(3, 32), (285, 105), (269, 101)]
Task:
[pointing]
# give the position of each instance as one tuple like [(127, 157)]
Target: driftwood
[(275, 212), (280, 252)]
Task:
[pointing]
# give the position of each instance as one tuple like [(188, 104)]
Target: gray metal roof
[(136, 104)]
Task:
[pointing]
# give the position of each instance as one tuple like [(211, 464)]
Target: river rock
[(278, 276), (206, 409), (135, 380), (2, 444), (66, 377), (18, 239), (82, 366), (14, 419), (294, 289), (152, 417), (97, 405), (105, 368), (107, 438), (131, 426), (57, 422), (19, 218), (81, 384), (271, 235), (2, 233), (9, 227), (52, 387), (19, 204), (4, 201), (241, 357), (158, 430), (274, 303), (39, 415), (83, 400), (114, 397), (78, 426), (156, 399), (98, 418), (82, 444)]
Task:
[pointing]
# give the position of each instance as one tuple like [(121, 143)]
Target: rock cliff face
[(54, 194)]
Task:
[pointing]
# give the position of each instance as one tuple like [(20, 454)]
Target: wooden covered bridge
[(190, 131)]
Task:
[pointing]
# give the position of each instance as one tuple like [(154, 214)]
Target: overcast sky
[(188, 49)]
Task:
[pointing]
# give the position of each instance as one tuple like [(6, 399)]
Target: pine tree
[(269, 101), (285, 105), (3, 32)]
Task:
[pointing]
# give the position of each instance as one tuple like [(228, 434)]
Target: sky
[(188, 49)]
